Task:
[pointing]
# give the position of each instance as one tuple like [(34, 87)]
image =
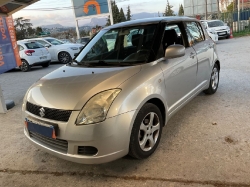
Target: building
[(196, 8)]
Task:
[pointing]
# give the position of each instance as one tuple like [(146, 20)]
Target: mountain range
[(102, 21)]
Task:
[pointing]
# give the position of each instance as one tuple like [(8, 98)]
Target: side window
[(172, 35), (195, 31), (42, 42), (20, 47), (128, 38)]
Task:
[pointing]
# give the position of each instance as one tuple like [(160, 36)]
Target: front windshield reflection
[(54, 41), (120, 46)]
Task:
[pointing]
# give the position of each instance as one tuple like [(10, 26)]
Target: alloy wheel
[(149, 131)]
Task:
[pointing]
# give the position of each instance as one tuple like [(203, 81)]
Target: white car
[(59, 51), (218, 26), (213, 35), (33, 54)]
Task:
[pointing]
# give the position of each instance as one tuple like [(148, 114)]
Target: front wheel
[(146, 132), (214, 81), (64, 57)]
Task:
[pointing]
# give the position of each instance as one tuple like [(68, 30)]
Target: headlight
[(74, 48), (212, 32), (97, 107)]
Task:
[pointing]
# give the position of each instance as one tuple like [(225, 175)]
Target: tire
[(64, 57), (146, 132), (25, 66), (46, 65), (214, 81)]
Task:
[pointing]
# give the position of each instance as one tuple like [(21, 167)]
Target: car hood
[(71, 45), (69, 88), (220, 28)]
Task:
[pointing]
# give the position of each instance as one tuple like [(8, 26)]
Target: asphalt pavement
[(206, 143)]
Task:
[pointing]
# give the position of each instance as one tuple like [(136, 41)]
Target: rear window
[(33, 45)]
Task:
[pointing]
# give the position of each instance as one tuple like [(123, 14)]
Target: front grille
[(87, 150), (49, 113), (58, 144)]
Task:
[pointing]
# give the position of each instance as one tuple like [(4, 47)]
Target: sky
[(66, 17)]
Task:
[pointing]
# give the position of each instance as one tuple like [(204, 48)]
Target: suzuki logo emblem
[(42, 112)]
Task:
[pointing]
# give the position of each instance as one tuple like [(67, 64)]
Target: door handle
[(192, 55)]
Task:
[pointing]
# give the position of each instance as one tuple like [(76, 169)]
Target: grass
[(242, 33)]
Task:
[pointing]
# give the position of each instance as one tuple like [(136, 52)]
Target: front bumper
[(111, 138)]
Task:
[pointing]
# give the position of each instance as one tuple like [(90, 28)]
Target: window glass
[(121, 45), (20, 47), (33, 45), (42, 42), (216, 23), (172, 36), (54, 41), (195, 32)]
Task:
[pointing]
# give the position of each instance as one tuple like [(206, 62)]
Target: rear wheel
[(64, 57), (214, 81), (25, 66), (146, 132), (45, 65)]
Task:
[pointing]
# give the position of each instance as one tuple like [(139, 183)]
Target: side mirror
[(47, 45), (175, 51), (225, 24)]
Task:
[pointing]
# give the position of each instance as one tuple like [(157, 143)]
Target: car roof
[(40, 38), (147, 21), (24, 41), (210, 20)]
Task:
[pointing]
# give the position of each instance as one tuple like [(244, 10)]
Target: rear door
[(203, 47)]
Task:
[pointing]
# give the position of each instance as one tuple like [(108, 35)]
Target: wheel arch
[(157, 102), (218, 64)]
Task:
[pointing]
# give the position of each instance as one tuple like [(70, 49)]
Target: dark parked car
[(83, 40)]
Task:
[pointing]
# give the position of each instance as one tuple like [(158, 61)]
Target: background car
[(33, 54), (66, 41), (218, 26), (83, 40), (59, 51)]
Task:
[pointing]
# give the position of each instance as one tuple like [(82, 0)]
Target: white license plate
[(43, 57)]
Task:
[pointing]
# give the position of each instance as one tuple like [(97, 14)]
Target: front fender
[(139, 89)]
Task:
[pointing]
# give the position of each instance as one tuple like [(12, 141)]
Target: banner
[(90, 7), (9, 53)]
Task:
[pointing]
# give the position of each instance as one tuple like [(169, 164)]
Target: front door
[(179, 73)]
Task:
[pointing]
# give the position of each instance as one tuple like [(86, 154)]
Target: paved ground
[(207, 143)]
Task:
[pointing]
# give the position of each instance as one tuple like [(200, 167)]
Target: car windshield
[(85, 40), (54, 41), (120, 46), (215, 23)]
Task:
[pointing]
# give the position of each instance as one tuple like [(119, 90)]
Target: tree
[(169, 11), (230, 7), (181, 11), (122, 17), (31, 31), (21, 26), (39, 30), (128, 15), (115, 12), (118, 16)]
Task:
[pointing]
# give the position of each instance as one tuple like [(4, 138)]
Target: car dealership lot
[(207, 143)]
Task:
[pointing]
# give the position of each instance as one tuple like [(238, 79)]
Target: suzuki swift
[(121, 89)]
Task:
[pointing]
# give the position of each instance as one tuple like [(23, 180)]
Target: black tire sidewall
[(63, 52), (28, 66), (134, 147)]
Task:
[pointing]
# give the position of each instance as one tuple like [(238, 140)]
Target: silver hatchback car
[(115, 97)]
